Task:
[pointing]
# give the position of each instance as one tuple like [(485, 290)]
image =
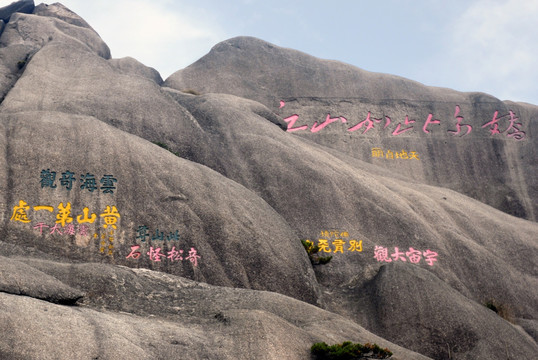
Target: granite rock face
[(143, 314), (23, 6), (141, 220), (448, 130)]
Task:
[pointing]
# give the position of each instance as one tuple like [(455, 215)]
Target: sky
[(467, 45)]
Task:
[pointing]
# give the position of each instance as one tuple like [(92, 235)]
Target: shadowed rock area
[(144, 218)]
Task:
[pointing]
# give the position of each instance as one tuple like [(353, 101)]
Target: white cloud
[(493, 45), (155, 32)]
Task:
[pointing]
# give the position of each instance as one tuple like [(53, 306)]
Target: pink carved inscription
[(511, 126), (381, 254)]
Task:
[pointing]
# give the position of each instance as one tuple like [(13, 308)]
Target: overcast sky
[(467, 45)]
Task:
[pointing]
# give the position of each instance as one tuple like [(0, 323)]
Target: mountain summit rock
[(151, 219), (468, 141)]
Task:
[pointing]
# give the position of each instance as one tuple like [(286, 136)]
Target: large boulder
[(411, 306), (102, 169), (59, 11), (22, 6), (220, 219), (145, 314), (20, 279), (469, 142)]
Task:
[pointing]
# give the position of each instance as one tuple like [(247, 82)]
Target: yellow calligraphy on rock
[(338, 243), (389, 154)]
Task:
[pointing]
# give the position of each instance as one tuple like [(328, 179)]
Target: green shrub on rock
[(312, 251), (500, 309), (164, 146), (348, 351)]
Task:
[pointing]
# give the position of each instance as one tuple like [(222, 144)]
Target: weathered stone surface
[(20, 279), (130, 66), (59, 11), (316, 190), (228, 224), (241, 191), (13, 55), (495, 169), (439, 321), (530, 326), (145, 314), (38, 31), (22, 6), (13, 59)]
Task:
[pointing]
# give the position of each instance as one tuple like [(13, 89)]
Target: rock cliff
[(146, 218)]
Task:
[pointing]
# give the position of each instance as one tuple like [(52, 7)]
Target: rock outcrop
[(448, 130), (142, 220), (24, 6)]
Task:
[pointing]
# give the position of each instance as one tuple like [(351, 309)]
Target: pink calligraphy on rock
[(56, 228), (397, 131), (134, 253), (387, 121), (430, 121), (40, 226), (155, 254), (513, 129), (193, 257), (461, 129), (328, 120), (398, 255), (83, 230), (70, 229), (291, 121), (517, 134), (175, 255), (459, 125), (414, 255), (430, 257), (382, 254), (368, 122), (493, 124)]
